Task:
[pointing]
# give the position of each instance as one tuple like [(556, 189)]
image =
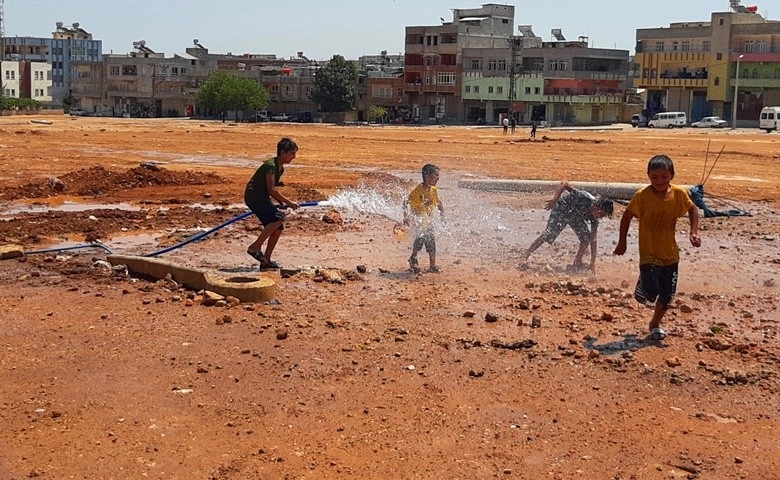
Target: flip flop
[(257, 255), (657, 334)]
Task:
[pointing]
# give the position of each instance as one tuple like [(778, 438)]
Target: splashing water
[(368, 200)]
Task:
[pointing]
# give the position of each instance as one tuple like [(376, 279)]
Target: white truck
[(769, 119)]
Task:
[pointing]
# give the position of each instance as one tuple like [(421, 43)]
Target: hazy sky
[(324, 28)]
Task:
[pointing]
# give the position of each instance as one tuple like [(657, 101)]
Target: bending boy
[(574, 208)]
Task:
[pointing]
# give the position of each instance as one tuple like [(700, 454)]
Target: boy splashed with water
[(418, 213)]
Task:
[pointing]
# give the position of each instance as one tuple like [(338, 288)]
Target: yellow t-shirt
[(422, 201), (657, 223)]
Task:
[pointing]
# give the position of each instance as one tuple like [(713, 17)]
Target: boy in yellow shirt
[(418, 210), (658, 206)]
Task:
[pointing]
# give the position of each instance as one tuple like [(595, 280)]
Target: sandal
[(257, 255), (657, 334), (270, 265), (414, 264)]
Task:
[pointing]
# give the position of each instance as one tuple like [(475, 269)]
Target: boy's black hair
[(286, 145), (661, 162), (605, 205), (429, 169)]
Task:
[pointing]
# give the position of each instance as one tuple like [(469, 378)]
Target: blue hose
[(74, 247), (194, 238), (202, 235)]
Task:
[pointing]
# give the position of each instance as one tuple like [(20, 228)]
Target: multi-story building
[(692, 66), (26, 80), (11, 79), (66, 47), (559, 82), (433, 64), (146, 83)]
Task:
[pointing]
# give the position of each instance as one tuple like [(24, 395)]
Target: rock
[(232, 301), (210, 298), (606, 317), (536, 321), (491, 317), (469, 313), (361, 269), (150, 166), (10, 251), (56, 184), (332, 216), (673, 362), (685, 308), (282, 334)]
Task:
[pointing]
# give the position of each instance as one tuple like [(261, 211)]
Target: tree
[(223, 91), (335, 85), (376, 112)]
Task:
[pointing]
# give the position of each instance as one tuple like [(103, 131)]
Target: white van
[(769, 119), (668, 120)]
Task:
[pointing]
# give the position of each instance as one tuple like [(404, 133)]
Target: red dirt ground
[(383, 373)]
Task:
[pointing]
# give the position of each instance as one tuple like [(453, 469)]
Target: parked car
[(280, 117), (258, 117), (710, 122), (769, 119), (305, 116), (667, 120), (77, 112), (638, 121)]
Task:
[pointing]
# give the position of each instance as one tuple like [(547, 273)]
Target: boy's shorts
[(265, 211), (656, 283), (557, 222), (427, 239)]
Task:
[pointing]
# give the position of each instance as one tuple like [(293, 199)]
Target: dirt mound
[(97, 181)]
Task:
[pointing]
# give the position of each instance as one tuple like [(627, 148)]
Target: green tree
[(335, 85), (224, 91), (377, 113), (68, 102)]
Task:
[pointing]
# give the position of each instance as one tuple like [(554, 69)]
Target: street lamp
[(736, 92)]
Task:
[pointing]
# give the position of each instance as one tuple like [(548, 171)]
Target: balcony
[(421, 88), (596, 99), (671, 82)]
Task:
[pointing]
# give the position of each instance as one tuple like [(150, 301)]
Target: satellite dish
[(75, 24), (195, 41), (59, 24)]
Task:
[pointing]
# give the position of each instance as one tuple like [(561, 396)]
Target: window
[(762, 47), (499, 90), (492, 65), (446, 78), (490, 89), (113, 70), (718, 56), (705, 46), (659, 46), (527, 90), (686, 45), (536, 90), (476, 88), (502, 65), (468, 88), (750, 46), (476, 64), (720, 21), (716, 82), (674, 46)]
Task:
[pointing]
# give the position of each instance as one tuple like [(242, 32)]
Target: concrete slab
[(11, 251), (246, 287)]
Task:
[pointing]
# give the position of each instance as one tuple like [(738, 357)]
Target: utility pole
[(516, 48), (2, 30)]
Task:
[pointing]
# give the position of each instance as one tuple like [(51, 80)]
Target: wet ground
[(361, 368)]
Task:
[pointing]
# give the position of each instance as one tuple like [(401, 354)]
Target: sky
[(321, 29)]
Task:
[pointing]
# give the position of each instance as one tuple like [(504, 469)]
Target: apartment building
[(433, 66), (67, 45), (692, 66), (11, 78)]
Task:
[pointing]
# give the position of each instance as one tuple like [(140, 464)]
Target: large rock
[(11, 251)]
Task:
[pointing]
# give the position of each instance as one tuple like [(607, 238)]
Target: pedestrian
[(259, 191), (533, 130), (418, 212), (658, 206), (573, 207), (512, 123), (505, 123)]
